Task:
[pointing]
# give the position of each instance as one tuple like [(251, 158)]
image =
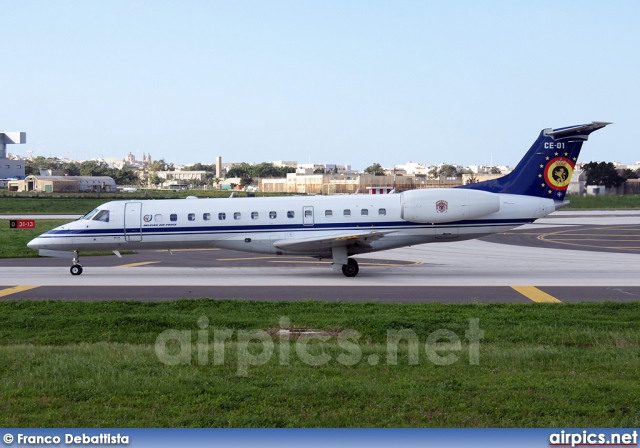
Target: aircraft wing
[(362, 238)]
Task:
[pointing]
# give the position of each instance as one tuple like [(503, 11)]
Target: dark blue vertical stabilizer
[(545, 170)]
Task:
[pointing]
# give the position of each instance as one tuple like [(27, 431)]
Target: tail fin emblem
[(442, 206), (557, 173)]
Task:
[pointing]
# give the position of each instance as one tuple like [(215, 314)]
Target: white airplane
[(333, 227)]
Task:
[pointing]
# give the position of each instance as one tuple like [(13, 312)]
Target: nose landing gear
[(76, 268)]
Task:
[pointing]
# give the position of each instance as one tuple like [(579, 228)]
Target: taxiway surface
[(568, 256)]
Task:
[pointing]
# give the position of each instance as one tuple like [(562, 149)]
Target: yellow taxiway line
[(133, 265), (15, 289), (533, 293)]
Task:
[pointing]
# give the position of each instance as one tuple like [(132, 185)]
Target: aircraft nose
[(35, 243)]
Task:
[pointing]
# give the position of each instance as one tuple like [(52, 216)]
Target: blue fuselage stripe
[(199, 230)]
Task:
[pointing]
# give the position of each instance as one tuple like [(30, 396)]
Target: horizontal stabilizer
[(579, 130)]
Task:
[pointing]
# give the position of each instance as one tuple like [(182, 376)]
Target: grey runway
[(567, 258)]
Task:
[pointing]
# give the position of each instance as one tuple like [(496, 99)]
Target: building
[(64, 184), (179, 180), (349, 184), (9, 168)]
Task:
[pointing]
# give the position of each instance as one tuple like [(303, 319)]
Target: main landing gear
[(349, 266), (350, 269), (76, 269)]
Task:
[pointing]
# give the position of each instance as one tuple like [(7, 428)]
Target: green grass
[(13, 242), (43, 205), (78, 364), (629, 201)]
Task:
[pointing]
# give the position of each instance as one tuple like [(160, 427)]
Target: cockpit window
[(103, 215), (90, 214)]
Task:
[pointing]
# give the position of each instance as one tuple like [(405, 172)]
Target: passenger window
[(273, 215), (328, 213), (291, 214), (382, 211), (158, 218), (103, 215), (364, 212), (347, 212), (308, 214), (173, 217), (191, 216), (222, 216), (254, 215), (237, 215), (206, 216)]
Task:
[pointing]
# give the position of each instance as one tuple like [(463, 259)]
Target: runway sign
[(22, 223)]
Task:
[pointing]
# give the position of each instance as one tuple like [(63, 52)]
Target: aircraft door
[(133, 221), (307, 215)]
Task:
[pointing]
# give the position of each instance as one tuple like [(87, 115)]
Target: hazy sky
[(347, 82)]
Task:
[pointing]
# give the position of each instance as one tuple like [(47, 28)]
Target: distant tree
[(71, 169), (245, 181), (33, 166), (158, 165), (264, 170), (154, 179), (201, 167), (473, 179), (239, 170), (602, 173), (433, 173), (94, 168), (318, 171), (448, 171), (495, 170), (628, 173), (374, 170), (284, 170), (125, 176)]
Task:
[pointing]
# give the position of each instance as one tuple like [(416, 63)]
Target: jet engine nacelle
[(447, 204)]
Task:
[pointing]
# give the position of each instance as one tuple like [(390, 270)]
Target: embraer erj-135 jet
[(333, 227)]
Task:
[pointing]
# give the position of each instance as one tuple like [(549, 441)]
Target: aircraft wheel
[(76, 269), (351, 269)]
